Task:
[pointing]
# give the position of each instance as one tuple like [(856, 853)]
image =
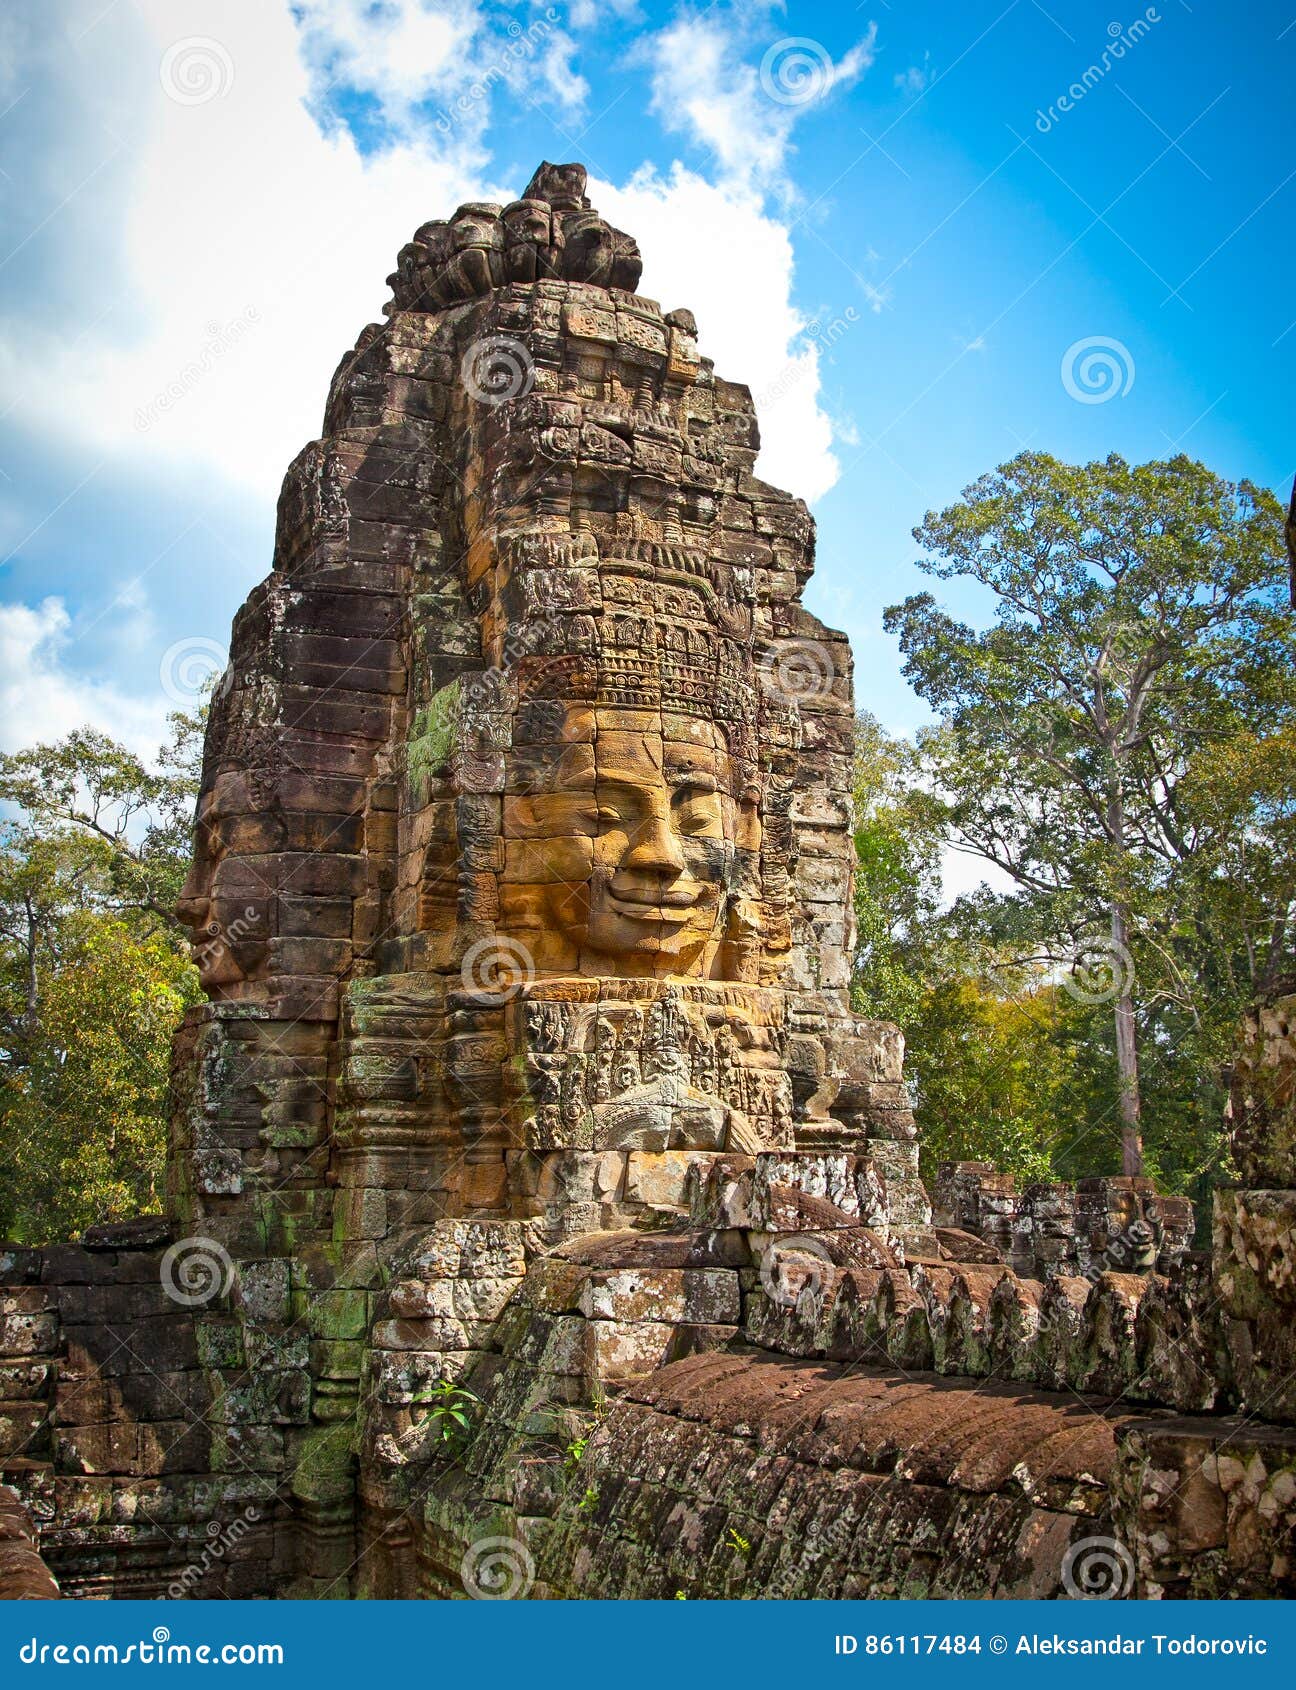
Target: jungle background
[(1116, 745)]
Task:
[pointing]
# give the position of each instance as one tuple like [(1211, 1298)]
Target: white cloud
[(254, 250), (743, 114), (717, 252), (408, 55), (560, 76), (584, 14), (251, 249), (916, 78), (962, 873), (42, 700), (401, 54)]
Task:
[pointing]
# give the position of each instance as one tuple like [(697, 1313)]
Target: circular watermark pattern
[(796, 71), (795, 1268), (194, 1271), (500, 965), (799, 670), (196, 70), (1100, 970), (161, 1634), (497, 368), (189, 666), (497, 1569), (1097, 1569), (1097, 369)]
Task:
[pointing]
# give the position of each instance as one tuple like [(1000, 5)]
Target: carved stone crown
[(550, 234)]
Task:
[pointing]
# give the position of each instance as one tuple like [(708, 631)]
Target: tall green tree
[(899, 834), (94, 975), (133, 823), (1094, 740)]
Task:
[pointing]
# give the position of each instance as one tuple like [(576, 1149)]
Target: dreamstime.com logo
[(195, 1271), (521, 45), (796, 71), (798, 671), (1097, 1569), (219, 340), (497, 368), (158, 1650), (501, 966), (1120, 40), (217, 940), (195, 70), (1096, 369), (189, 666), (1100, 970), (497, 1569), (794, 1271), (495, 688), (819, 336)]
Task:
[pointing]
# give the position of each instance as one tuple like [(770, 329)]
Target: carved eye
[(696, 807)]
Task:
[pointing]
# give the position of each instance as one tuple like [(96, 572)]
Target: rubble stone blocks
[(1255, 1223), (24, 1577), (530, 1175), (1103, 1222)]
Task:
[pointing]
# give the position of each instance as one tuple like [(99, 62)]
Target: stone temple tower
[(523, 874)]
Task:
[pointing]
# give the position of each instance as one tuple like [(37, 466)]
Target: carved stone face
[(628, 851), (226, 902), (596, 253)]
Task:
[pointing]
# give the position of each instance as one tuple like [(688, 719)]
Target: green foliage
[(94, 977), (132, 827), (989, 1075), (574, 1454), (448, 1407), (737, 1542), (899, 830), (1118, 742)]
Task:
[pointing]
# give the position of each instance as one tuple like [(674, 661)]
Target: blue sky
[(881, 228)]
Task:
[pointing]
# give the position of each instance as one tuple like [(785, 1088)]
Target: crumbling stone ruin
[(1052, 1227), (542, 1221)]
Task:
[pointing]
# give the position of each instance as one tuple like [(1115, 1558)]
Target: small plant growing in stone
[(737, 1541), (589, 1502), (446, 1405), (573, 1453)]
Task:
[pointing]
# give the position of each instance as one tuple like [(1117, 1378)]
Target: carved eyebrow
[(700, 779)]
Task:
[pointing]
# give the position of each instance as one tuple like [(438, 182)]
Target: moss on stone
[(325, 1466), (432, 734)]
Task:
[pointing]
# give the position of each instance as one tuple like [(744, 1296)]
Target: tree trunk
[(1131, 1104)]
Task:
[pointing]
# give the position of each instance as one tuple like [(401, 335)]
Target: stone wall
[(1255, 1222), (122, 1426), (586, 1457), (1101, 1223), (24, 1577), (614, 1381)]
